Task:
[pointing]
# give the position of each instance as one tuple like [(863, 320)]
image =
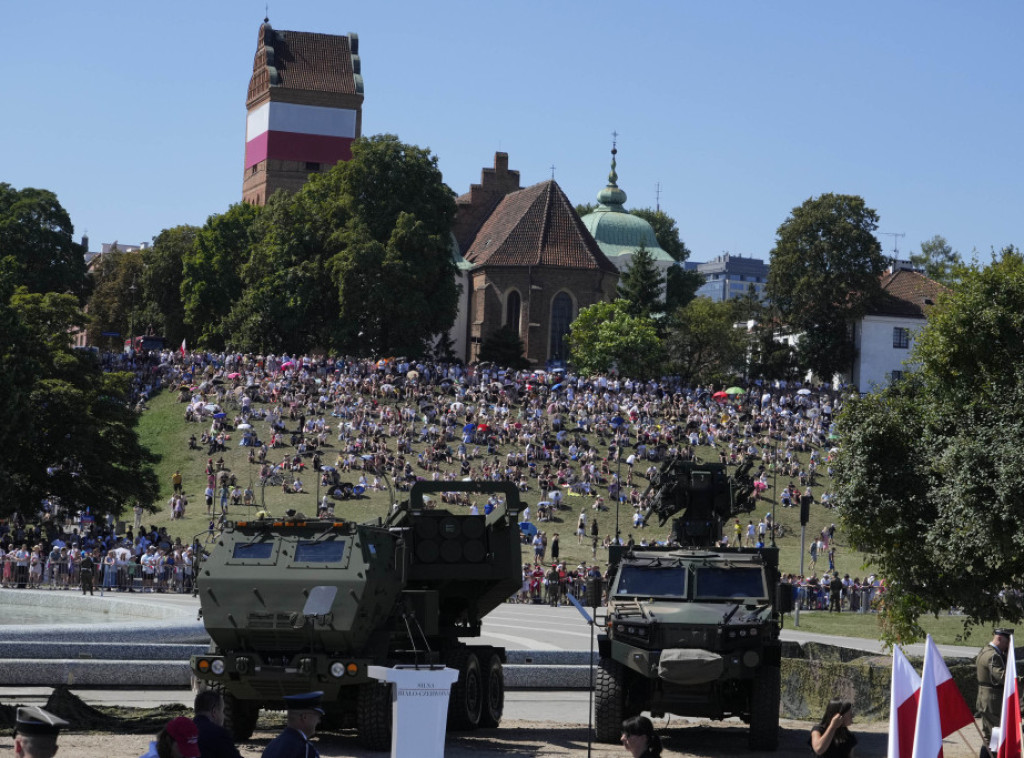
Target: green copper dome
[(618, 232)]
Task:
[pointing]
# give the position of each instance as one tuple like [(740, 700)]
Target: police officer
[(35, 733), (991, 668), (304, 713)]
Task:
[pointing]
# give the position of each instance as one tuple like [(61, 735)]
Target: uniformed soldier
[(304, 713), (87, 571), (35, 732), (991, 666)]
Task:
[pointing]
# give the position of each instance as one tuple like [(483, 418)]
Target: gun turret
[(704, 493)]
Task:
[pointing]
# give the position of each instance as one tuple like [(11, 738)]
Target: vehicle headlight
[(217, 667), (337, 669)]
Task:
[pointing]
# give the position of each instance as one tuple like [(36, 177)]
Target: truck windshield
[(644, 581), (331, 551), (252, 551), (721, 582)]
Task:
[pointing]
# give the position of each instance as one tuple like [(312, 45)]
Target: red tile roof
[(907, 293), (537, 226), (306, 61)]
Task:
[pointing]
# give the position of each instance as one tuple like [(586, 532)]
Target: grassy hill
[(164, 430)]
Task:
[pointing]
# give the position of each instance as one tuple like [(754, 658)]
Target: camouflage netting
[(813, 674), (85, 718)]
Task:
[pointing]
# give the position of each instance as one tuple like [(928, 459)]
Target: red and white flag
[(1006, 741), (182, 349), (942, 709), (903, 698)]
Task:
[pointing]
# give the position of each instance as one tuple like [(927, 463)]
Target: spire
[(611, 197)]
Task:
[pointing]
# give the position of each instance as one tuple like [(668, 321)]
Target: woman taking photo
[(832, 737), (639, 739)]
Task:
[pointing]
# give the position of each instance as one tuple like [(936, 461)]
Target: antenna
[(895, 246), (657, 196)]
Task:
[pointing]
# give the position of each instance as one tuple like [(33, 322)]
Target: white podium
[(419, 708)]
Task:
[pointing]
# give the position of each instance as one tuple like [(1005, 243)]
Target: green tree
[(74, 434), (932, 466), (666, 231), (703, 343), (211, 280), (939, 261), (824, 274), (768, 356), (681, 287), (36, 233), (162, 275), (606, 336), (505, 348), (116, 299), (641, 284)]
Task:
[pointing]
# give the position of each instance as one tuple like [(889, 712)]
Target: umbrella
[(527, 527), (234, 375), (358, 489), (287, 364), (245, 426), (803, 391), (735, 391), (414, 374), (211, 407), (220, 414), (469, 427), (556, 387), (721, 396), (327, 468)]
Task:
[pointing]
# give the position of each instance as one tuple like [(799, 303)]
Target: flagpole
[(984, 747)]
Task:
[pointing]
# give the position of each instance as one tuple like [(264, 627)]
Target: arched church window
[(561, 317), (513, 309)]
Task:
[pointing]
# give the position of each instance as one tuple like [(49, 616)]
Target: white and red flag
[(903, 698), (942, 709), (1006, 741), (182, 348)]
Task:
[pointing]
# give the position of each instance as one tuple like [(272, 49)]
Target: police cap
[(34, 720), (307, 701)]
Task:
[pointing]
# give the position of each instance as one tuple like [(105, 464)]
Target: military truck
[(693, 628), (294, 604)]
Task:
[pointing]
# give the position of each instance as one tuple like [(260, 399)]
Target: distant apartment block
[(730, 276)]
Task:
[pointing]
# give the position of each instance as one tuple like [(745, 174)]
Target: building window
[(312, 166), (561, 317), (513, 308), (895, 376), (254, 170), (900, 337)]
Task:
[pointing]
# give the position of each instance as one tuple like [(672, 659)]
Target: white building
[(885, 336)]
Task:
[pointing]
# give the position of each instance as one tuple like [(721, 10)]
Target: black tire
[(610, 688), (373, 716), (764, 709), (240, 717), (467, 696), (494, 693)]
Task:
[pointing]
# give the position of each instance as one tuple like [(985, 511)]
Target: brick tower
[(304, 109)]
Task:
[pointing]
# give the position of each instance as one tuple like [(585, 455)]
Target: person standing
[(214, 740), (87, 571), (554, 548), (991, 669), (304, 713), (36, 732)]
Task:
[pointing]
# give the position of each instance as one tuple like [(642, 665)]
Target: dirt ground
[(522, 739)]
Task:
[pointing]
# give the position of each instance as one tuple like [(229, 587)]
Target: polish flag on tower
[(1006, 741), (903, 697), (942, 709)]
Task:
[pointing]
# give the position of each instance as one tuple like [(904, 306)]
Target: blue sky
[(134, 112)]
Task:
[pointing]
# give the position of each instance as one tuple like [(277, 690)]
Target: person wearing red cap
[(178, 739)]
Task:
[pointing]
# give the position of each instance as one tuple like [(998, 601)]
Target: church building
[(527, 262), (304, 107)]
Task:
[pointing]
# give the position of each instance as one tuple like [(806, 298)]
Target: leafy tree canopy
[(939, 261), (704, 344), (930, 475), (606, 336), (36, 233), (666, 231), (824, 273), (505, 348)]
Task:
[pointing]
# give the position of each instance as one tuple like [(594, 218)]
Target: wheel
[(467, 696), (240, 717), (609, 700), (494, 693), (373, 716), (764, 709)]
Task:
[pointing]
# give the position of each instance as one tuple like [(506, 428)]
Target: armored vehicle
[(693, 628), (296, 604)]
